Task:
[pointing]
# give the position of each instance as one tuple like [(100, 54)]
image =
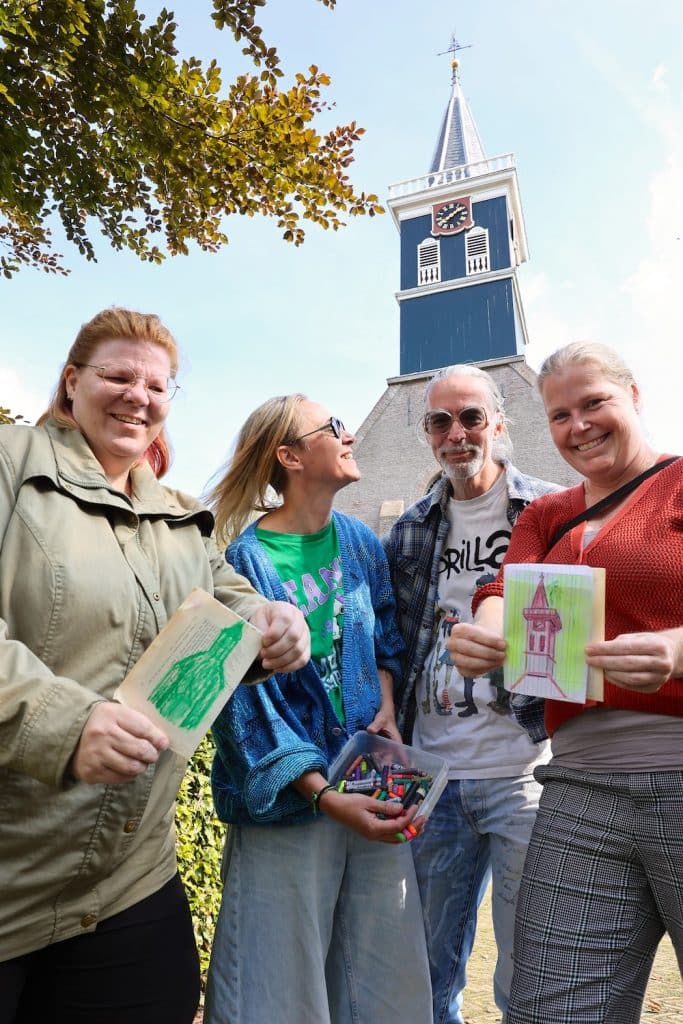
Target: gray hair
[(502, 447), (606, 359)]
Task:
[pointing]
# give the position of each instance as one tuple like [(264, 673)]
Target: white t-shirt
[(468, 721)]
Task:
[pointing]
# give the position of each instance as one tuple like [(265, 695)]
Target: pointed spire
[(540, 598), (458, 141)]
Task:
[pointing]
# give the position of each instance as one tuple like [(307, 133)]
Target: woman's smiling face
[(594, 421), (119, 425)]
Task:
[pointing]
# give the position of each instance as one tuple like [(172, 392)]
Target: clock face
[(452, 216)]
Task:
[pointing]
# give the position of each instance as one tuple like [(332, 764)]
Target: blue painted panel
[(412, 233), (490, 213), (459, 326)]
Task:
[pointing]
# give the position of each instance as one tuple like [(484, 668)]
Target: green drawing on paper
[(191, 685)]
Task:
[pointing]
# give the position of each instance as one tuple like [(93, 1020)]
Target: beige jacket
[(87, 579)]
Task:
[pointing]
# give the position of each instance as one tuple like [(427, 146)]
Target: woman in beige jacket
[(95, 555)]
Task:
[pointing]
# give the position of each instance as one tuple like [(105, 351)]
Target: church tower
[(542, 623), (462, 239)]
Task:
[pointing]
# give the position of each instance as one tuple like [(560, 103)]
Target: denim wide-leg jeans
[(479, 830), (317, 926)]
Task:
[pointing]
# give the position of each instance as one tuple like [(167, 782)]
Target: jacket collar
[(78, 471)]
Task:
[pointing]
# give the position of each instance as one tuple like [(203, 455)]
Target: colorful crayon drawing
[(548, 620), (186, 692)]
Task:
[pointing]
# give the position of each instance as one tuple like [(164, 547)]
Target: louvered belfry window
[(477, 251), (428, 261)]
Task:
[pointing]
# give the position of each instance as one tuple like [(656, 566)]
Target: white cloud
[(549, 326), (643, 316), (655, 294), (18, 398)]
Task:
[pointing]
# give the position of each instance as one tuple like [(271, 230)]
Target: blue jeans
[(317, 925), (479, 830)]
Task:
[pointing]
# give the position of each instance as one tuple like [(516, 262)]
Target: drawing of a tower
[(543, 622)]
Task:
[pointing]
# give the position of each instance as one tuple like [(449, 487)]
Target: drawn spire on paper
[(189, 688), (543, 622)]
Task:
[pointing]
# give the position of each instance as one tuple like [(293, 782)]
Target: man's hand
[(116, 744), (286, 638), (475, 650)]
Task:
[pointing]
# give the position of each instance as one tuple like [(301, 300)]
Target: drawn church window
[(542, 644), (428, 262), (477, 251)]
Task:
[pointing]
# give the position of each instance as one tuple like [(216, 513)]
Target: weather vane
[(454, 48)]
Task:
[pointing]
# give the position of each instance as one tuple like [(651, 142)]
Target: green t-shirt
[(309, 567)]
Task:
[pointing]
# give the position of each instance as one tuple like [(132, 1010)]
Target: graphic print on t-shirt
[(323, 607), (444, 678), (467, 562), (329, 665), (466, 720), (310, 570)]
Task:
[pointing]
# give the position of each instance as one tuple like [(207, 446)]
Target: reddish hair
[(110, 325)]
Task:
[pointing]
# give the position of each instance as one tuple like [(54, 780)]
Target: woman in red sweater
[(602, 880)]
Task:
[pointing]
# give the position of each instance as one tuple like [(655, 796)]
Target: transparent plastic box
[(385, 751)]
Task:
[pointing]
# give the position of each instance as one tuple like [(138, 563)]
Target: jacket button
[(336, 731), (88, 920), (157, 597), (130, 826)]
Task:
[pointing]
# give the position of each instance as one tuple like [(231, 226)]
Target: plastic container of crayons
[(387, 770)]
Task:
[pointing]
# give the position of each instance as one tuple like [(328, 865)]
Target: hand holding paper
[(116, 744), (190, 670), (286, 642), (637, 661), (475, 649)]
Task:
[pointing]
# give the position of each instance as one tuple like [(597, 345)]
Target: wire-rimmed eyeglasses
[(121, 377), (440, 421), (333, 424)]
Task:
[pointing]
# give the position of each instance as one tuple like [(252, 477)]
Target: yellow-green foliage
[(7, 417), (200, 845), (103, 123)]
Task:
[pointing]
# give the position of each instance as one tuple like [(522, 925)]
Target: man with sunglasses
[(445, 546)]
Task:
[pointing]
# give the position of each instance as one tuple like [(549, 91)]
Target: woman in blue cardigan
[(320, 920)]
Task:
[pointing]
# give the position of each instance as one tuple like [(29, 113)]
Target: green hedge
[(200, 845)]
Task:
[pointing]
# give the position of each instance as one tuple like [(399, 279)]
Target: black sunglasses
[(440, 421), (333, 424)]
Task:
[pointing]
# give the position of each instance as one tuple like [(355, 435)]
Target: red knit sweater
[(641, 547)]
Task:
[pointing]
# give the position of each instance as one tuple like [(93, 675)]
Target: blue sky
[(589, 98)]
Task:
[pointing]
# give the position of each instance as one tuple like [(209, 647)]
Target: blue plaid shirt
[(413, 547)]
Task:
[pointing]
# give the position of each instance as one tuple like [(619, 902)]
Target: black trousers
[(137, 967)]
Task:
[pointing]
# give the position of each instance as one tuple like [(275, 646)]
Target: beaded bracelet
[(315, 797)]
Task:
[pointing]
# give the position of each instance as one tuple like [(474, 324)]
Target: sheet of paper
[(550, 613), (187, 674)]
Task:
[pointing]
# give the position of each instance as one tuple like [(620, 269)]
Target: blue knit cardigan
[(269, 734)]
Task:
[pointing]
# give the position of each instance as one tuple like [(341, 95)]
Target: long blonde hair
[(254, 468), (110, 325)]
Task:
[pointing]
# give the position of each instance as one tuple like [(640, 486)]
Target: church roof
[(458, 141)]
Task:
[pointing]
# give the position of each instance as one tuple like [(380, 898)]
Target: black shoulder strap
[(611, 499)]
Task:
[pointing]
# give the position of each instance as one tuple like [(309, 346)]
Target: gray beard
[(465, 471)]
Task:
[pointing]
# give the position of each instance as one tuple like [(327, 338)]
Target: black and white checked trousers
[(603, 880)]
